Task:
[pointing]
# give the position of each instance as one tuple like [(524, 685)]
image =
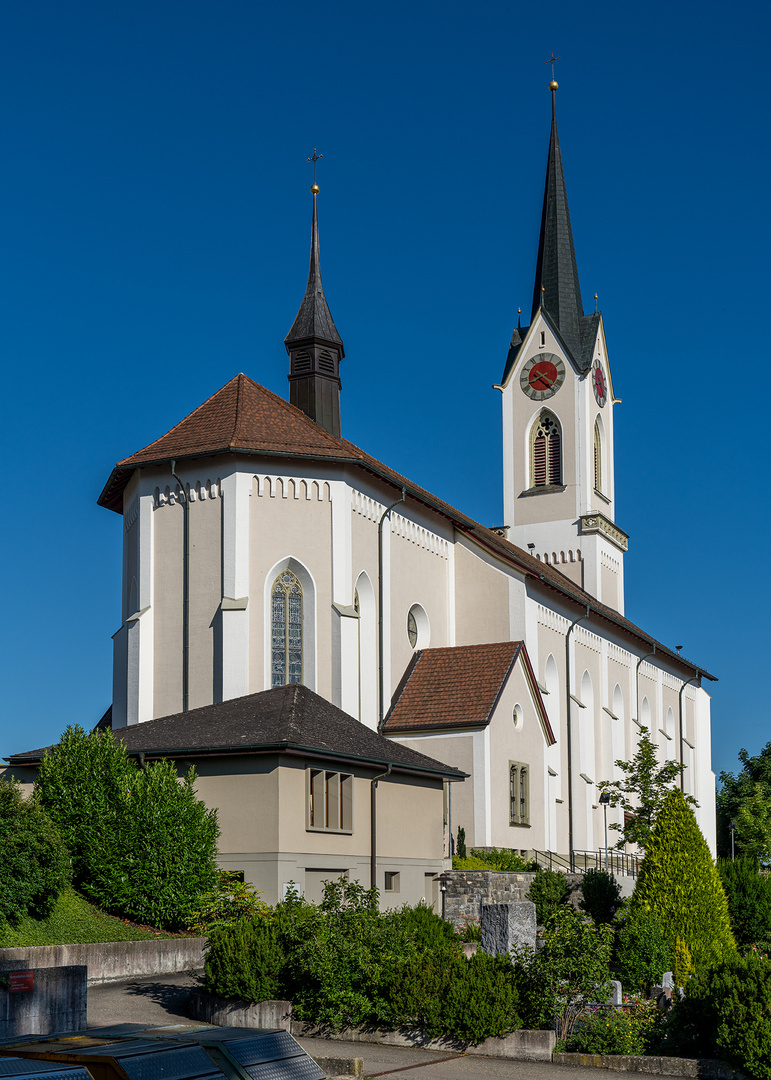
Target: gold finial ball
[(315, 189), (553, 85)]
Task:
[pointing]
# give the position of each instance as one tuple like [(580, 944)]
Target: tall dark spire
[(315, 348), (556, 274)]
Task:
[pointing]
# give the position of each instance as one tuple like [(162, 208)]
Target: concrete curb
[(703, 1068), (111, 961), (519, 1046)]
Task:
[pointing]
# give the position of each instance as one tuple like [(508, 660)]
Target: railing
[(615, 862)]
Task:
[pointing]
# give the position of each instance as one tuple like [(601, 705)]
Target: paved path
[(161, 999)]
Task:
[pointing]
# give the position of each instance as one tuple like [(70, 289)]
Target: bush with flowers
[(634, 1029)]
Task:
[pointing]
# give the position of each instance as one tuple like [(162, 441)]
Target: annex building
[(262, 549)]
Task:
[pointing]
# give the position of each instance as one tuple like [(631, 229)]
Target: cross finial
[(552, 60), (316, 157)]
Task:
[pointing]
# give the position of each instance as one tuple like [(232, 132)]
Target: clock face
[(542, 376), (599, 384)]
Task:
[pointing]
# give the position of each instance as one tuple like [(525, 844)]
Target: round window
[(418, 632), (518, 717)]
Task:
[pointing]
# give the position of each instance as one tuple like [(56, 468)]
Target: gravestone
[(616, 993), (668, 981), (507, 925)]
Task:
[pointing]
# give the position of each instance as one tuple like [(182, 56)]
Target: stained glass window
[(286, 630)]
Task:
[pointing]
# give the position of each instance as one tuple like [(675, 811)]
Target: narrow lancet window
[(597, 457), (286, 630)]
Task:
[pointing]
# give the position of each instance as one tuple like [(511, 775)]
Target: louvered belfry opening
[(546, 453), (597, 458)]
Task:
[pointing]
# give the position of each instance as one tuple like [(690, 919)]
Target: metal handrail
[(617, 862)]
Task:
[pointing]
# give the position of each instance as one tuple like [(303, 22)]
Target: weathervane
[(552, 60), (317, 157)]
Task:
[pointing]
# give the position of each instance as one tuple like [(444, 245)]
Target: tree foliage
[(680, 883), (642, 791), (548, 889), (642, 951), (601, 895), (143, 845), (749, 901), (34, 863), (751, 784)]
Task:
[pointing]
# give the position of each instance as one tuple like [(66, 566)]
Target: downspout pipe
[(380, 631), (696, 679), (568, 681), (185, 590), (373, 826)]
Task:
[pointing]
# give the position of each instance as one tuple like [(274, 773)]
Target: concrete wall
[(109, 961), (56, 1002)]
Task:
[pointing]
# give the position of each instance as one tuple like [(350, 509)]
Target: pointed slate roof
[(556, 270), (288, 719), (458, 687), (314, 320)]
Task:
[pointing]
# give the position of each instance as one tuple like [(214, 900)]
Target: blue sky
[(154, 230)]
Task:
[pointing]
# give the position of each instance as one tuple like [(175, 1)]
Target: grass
[(72, 921)]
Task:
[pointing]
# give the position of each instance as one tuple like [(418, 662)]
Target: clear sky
[(154, 232)]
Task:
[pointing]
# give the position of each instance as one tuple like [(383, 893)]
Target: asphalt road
[(162, 999)]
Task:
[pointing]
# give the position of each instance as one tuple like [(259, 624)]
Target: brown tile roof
[(458, 687), (289, 719), (246, 418)]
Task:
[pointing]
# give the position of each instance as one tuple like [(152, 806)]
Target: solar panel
[(51, 1070)]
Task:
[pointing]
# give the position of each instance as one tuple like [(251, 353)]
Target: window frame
[(288, 589), (328, 787), (552, 452), (519, 793)]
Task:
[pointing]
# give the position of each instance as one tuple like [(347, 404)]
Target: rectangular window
[(391, 881), (519, 793), (330, 800)]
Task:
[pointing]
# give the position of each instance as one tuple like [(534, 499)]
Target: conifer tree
[(679, 881)]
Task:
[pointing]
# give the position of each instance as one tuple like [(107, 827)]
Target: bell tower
[(558, 464), (314, 346)]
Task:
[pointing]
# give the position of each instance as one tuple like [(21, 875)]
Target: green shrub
[(725, 1014), (465, 999), (608, 1031), (548, 890), (571, 968), (425, 929), (230, 900), (642, 951), (461, 847), (502, 859), (749, 900), (143, 845), (245, 960), (34, 864), (679, 881), (601, 895)]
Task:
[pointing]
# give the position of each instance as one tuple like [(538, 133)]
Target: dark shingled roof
[(458, 687), (556, 271), (314, 320), (289, 719)]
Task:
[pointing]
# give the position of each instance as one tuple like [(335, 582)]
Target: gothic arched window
[(597, 457), (545, 451), (286, 606)]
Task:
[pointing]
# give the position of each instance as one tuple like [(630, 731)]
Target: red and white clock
[(542, 376), (599, 383)]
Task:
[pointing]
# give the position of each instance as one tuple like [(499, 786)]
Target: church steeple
[(315, 348), (556, 274)]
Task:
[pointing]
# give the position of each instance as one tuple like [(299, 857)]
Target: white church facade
[(259, 550)]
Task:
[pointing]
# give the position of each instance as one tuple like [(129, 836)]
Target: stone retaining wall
[(110, 961), (704, 1068), (467, 890)]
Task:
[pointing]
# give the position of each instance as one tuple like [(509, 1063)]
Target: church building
[(262, 549)]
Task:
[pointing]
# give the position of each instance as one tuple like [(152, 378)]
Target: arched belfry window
[(546, 451), (597, 456), (286, 605)]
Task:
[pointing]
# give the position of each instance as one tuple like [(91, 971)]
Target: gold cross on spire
[(316, 157)]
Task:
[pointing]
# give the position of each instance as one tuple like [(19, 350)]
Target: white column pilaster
[(236, 491)]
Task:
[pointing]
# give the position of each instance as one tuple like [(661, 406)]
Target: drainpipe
[(185, 590), (570, 728), (696, 679), (373, 826), (381, 709)]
